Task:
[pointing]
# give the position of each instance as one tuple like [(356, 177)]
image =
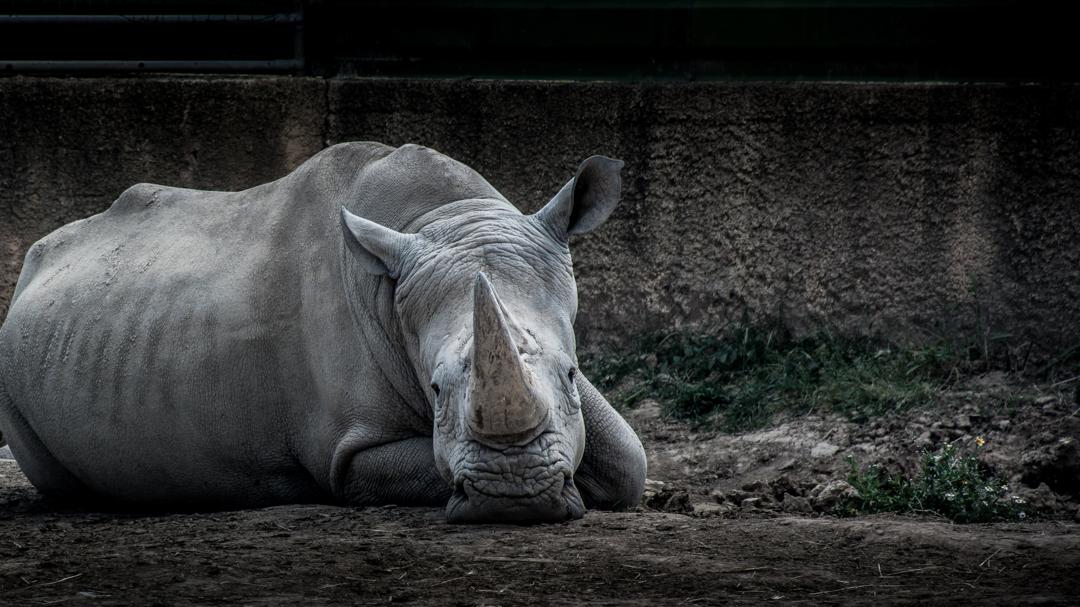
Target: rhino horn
[(502, 404)]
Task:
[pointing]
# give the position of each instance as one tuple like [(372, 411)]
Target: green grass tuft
[(949, 483), (739, 379)]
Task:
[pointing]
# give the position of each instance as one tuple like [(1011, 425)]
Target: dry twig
[(454, 579), (987, 559), (59, 581)]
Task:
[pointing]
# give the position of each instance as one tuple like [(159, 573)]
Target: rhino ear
[(378, 249), (585, 202)]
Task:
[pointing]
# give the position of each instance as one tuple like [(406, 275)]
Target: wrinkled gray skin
[(379, 326)]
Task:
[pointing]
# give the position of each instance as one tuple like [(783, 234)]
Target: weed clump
[(739, 379), (949, 483)]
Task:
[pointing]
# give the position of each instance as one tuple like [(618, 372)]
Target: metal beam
[(152, 19), (96, 65)]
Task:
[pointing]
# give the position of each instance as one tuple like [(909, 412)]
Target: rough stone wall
[(902, 209)]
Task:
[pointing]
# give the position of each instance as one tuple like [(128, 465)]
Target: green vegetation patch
[(949, 483), (738, 379)]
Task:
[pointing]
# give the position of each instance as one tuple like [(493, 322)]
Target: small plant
[(949, 483), (738, 379)]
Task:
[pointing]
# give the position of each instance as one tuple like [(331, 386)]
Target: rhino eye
[(572, 374), (435, 388)]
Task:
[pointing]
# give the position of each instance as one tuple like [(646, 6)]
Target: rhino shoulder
[(143, 196), (47, 249)]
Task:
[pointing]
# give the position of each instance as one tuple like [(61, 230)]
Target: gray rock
[(756, 486), (823, 450), (654, 485), (5, 453), (787, 464), (924, 440), (825, 497), (784, 486), (1056, 465), (669, 500), (1043, 499), (735, 496), (706, 509), (796, 504)]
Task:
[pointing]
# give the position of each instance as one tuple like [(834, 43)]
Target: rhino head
[(486, 299)]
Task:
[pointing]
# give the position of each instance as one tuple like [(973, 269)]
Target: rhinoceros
[(380, 326)]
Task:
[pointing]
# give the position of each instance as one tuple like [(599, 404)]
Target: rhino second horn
[(501, 401)]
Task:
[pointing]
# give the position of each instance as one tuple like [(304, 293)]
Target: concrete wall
[(903, 209)]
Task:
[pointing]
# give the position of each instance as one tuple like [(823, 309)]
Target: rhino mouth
[(515, 485)]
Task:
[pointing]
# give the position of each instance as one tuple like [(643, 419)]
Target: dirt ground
[(729, 519)]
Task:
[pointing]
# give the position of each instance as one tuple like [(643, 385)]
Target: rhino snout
[(479, 501), (528, 484)]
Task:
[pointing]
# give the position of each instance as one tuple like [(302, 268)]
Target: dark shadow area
[(950, 40)]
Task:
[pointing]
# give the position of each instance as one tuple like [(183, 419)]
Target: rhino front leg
[(401, 473), (612, 472)]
